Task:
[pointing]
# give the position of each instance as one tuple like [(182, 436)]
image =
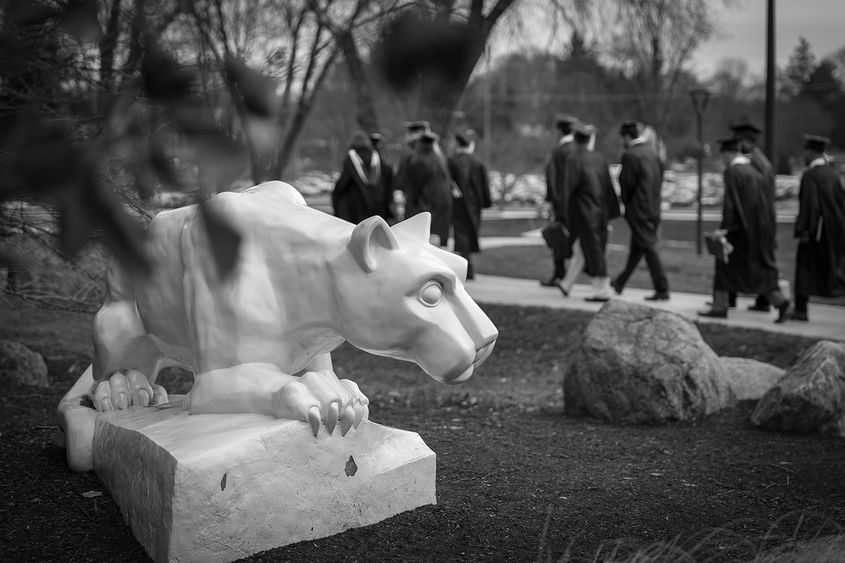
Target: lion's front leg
[(316, 397)]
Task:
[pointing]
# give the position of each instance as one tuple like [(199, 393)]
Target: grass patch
[(686, 270), (516, 478)]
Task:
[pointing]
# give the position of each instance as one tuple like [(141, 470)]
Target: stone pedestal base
[(219, 487)]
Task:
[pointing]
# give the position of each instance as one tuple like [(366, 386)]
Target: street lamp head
[(700, 99)]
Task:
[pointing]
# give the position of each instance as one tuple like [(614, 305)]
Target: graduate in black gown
[(820, 229), (559, 160), (472, 195), (748, 228), (360, 191), (746, 132), (589, 204), (640, 180), (424, 178)]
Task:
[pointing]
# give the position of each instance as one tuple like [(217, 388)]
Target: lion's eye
[(431, 293)]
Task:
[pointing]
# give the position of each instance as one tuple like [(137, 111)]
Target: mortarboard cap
[(428, 137), (417, 126), (728, 144), (563, 119), (744, 126), (631, 128), (583, 131), (816, 143)]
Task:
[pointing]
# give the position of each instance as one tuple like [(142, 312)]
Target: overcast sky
[(743, 32)]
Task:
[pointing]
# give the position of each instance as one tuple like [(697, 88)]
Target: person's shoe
[(713, 314), (658, 296), (617, 287), (757, 308), (731, 305), (597, 299), (551, 282), (785, 312), (800, 316), (563, 290)]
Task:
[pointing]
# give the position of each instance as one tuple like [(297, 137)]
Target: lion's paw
[(319, 396), (121, 391)]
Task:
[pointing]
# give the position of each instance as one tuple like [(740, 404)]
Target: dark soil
[(516, 478)]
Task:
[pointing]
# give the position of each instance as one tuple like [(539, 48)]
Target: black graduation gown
[(471, 177), (746, 217), (386, 179), (640, 180), (424, 178), (820, 262), (592, 204), (556, 192), (356, 197), (761, 163)]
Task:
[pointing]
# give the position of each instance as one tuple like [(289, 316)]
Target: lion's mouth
[(482, 354)]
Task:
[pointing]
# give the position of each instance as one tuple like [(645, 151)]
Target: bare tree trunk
[(366, 117), (306, 102), (108, 44)]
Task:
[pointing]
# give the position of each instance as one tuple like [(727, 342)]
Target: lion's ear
[(417, 227), (368, 236)]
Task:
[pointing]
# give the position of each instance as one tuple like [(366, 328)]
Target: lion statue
[(258, 339)]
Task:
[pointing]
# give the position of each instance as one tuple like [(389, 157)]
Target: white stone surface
[(217, 487)]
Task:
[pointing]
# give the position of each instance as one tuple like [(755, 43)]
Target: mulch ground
[(516, 478)]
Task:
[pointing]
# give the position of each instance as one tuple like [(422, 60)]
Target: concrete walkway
[(825, 321)]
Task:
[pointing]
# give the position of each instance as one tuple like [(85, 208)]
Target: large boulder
[(750, 379), (19, 364), (811, 396), (644, 365)]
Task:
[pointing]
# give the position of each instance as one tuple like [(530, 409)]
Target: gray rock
[(644, 365), (750, 379), (19, 364), (811, 396)]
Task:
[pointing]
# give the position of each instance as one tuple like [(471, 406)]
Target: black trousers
[(638, 250)]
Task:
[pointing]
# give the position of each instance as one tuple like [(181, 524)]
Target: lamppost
[(700, 99)]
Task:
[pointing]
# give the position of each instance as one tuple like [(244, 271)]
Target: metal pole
[(771, 72), (698, 226)]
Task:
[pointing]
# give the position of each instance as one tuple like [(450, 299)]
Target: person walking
[(471, 196), (746, 132), (640, 180), (559, 160), (747, 227), (385, 176), (589, 202), (360, 192), (819, 228), (424, 178)]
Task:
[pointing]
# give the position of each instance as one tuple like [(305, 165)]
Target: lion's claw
[(121, 391), (320, 398)]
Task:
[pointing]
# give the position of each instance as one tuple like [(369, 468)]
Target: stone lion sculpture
[(258, 340)]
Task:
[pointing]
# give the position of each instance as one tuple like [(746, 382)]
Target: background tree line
[(127, 97)]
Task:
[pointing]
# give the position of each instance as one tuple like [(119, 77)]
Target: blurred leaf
[(11, 259), (13, 57), (224, 238), (30, 12), (165, 79), (145, 184), (258, 92), (47, 157), (79, 18), (410, 45), (163, 167), (124, 235)]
